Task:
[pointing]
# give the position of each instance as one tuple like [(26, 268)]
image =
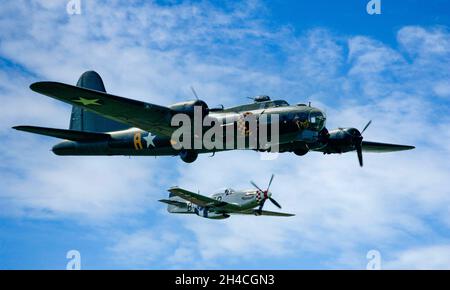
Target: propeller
[(194, 93), (367, 126), (356, 140), (266, 195)]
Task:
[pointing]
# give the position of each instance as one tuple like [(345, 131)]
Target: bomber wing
[(149, 117), (369, 146)]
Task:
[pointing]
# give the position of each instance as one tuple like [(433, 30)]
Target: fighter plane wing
[(368, 146), (197, 199), (264, 212), (149, 117)]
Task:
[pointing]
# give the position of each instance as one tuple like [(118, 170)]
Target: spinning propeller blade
[(368, 124), (358, 143), (270, 181), (266, 194), (275, 202), (254, 184), (356, 140), (194, 92)]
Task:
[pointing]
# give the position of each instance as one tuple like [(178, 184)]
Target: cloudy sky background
[(392, 68)]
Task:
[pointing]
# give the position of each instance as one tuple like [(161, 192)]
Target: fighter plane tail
[(82, 120), (176, 204)]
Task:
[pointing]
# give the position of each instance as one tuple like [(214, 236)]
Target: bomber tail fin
[(82, 120)]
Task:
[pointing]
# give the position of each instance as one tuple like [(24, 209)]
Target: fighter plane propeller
[(266, 194)]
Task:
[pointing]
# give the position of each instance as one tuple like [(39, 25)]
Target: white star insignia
[(149, 140)]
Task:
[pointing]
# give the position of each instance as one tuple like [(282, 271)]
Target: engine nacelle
[(188, 107), (340, 141), (204, 212)]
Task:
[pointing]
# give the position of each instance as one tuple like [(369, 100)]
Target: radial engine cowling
[(342, 140), (189, 106)]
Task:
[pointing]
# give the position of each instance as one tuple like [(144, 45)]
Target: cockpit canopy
[(258, 105), (278, 103), (228, 191), (273, 104)]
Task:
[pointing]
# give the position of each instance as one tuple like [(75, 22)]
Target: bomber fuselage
[(298, 128)]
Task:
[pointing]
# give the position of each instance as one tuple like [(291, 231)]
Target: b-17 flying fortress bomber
[(105, 124)]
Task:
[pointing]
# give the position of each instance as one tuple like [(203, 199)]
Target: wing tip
[(170, 189), (23, 128), (35, 86), (379, 147), (406, 147), (39, 87)]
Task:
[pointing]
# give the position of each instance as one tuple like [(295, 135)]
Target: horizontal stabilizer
[(65, 134), (173, 202), (368, 146)]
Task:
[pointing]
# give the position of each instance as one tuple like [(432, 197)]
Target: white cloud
[(424, 42), (144, 248), (35, 183), (370, 57), (442, 89), (155, 53), (435, 257)]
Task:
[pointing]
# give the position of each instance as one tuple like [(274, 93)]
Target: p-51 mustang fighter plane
[(105, 124), (223, 204)]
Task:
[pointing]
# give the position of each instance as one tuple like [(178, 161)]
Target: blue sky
[(393, 68)]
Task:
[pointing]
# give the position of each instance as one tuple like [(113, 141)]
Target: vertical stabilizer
[(176, 204), (82, 120)]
